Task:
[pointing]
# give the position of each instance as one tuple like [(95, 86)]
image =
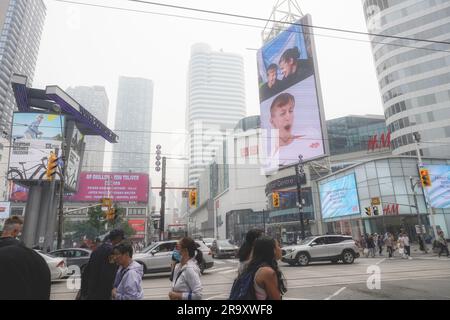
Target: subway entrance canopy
[(53, 99)]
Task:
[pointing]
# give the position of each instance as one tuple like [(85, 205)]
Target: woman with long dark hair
[(246, 249), (186, 283), (269, 282)]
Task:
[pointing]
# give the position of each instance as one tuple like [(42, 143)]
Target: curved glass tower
[(413, 76)]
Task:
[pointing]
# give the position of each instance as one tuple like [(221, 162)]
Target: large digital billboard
[(339, 197), (438, 194), (34, 137), (290, 107), (121, 187)]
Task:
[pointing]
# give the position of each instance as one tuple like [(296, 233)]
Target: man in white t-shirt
[(290, 146)]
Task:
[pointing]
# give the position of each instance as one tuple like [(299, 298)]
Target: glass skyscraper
[(413, 76)]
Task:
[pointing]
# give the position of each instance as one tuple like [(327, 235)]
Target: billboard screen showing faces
[(290, 111), (438, 194), (120, 187), (339, 198), (34, 137)]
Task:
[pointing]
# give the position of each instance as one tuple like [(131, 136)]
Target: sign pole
[(300, 174)]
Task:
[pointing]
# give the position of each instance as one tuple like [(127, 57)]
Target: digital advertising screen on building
[(438, 193), (291, 116), (34, 137), (74, 156), (339, 198), (120, 187)]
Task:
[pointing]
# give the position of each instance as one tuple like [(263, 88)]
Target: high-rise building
[(133, 125), (215, 103), (95, 100), (414, 76), (21, 24)]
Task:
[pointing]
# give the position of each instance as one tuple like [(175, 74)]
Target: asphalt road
[(425, 277)]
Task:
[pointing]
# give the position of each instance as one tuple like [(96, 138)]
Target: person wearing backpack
[(186, 283), (261, 279), (246, 249)]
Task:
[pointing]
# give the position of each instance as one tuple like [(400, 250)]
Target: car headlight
[(289, 251)]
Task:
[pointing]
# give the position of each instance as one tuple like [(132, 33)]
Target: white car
[(208, 241), (158, 256), (57, 266)]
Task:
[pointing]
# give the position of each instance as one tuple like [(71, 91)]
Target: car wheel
[(202, 267), (348, 257), (303, 259)]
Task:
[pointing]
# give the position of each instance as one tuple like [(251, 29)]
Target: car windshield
[(306, 240), (224, 243), (150, 247), (208, 240)]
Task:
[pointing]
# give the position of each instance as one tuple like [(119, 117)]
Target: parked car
[(57, 266), (158, 256), (223, 248), (208, 242), (332, 248), (74, 256)]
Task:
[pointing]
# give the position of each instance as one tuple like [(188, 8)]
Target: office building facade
[(215, 103), (414, 76), (133, 125), (95, 100)]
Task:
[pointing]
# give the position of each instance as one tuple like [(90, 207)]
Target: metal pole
[(264, 220), (61, 205), (417, 206), (419, 158), (300, 174), (163, 199)]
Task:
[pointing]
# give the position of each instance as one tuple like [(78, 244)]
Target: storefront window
[(399, 186), (383, 169), (386, 186), (371, 171)]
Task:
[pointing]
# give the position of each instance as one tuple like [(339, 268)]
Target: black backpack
[(243, 286)]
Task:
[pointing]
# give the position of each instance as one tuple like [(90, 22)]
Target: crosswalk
[(228, 266)]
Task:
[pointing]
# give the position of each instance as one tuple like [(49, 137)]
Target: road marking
[(381, 261), (229, 271), (336, 293), (220, 295), (284, 298), (219, 269), (218, 262), (232, 261)]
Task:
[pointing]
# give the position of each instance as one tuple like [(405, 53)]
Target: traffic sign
[(375, 201)]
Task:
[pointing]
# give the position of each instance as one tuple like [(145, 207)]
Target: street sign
[(418, 231)]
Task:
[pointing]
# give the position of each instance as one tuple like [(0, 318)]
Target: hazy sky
[(94, 46)]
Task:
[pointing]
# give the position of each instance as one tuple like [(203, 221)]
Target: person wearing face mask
[(11, 231)]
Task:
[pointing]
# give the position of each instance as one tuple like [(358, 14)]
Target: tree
[(97, 226)]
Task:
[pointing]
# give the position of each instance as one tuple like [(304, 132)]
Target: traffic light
[(111, 214), (276, 200), (425, 178), (52, 164), (193, 198), (368, 211), (158, 158)]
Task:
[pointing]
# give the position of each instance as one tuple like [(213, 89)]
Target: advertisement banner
[(18, 193), (34, 137), (289, 102), (438, 194), (339, 197), (75, 153), (139, 227), (5, 208), (121, 187)]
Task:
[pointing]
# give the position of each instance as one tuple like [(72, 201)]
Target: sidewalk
[(415, 252)]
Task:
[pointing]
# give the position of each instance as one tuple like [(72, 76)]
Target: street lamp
[(300, 173)]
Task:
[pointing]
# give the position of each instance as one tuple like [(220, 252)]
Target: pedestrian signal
[(375, 211), (276, 200), (51, 166), (192, 198), (368, 211), (111, 214), (425, 178)]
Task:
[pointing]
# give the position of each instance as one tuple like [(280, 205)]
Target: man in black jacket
[(24, 274), (98, 277)]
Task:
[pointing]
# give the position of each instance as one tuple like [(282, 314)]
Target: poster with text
[(438, 194)]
